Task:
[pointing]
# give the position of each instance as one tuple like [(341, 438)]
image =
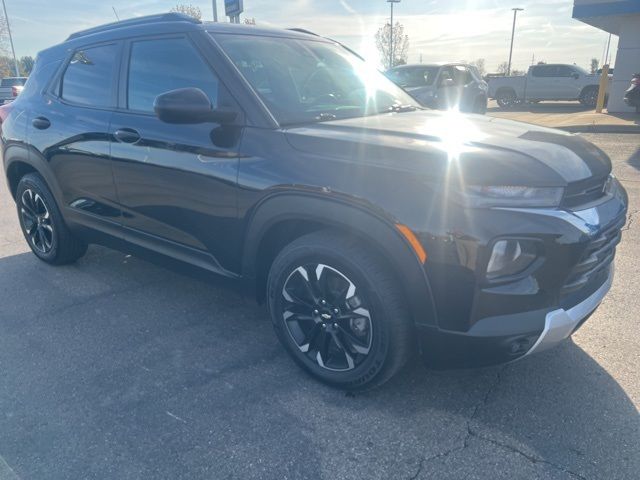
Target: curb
[(629, 129)]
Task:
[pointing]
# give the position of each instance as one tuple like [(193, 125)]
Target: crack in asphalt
[(630, 218), (471, 433)]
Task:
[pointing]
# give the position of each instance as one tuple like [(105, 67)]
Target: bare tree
[(188, 9), (503, 67), (400, 45), (595, 64), (249, 21), (480, 65)]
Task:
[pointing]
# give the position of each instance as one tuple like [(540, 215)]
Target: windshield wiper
[(397, 108), (325, 117)]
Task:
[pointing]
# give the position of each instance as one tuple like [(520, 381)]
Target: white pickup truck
[(546, 82)]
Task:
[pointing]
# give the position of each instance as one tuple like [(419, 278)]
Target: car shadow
[(114, 367)]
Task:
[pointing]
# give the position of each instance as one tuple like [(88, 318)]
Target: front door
[(176, 183)]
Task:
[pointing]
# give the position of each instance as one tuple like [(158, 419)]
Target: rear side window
[(158, 66), (89, 78)]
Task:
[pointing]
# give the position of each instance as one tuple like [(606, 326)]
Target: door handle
[(41, 123), (127, 135)]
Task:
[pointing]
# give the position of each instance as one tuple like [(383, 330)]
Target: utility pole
[(391, 2), (13, 51), (215, 10), (513, 31)]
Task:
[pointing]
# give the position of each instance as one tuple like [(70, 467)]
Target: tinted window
[(158, 66), (413, 76), (89, 77), (544, 71), (461, 76), (564, 71), (13, 81)]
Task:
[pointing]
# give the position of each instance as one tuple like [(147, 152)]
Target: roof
[(172, 20)]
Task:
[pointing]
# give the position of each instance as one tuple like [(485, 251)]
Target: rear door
[(176, 183), (552, 82), (69, 130)]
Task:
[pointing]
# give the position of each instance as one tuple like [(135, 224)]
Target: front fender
[(339, 213)]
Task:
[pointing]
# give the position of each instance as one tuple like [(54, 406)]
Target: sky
[(438, 30)]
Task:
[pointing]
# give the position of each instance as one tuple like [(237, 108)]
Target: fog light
[(510, 257)]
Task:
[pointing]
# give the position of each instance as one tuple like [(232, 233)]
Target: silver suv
[(443, 86)]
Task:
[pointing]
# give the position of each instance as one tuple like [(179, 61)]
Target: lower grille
[(597, 256)]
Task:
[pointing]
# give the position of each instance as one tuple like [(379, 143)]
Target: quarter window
[(89, 77), (158, 66)]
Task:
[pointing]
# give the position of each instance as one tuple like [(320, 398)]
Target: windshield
[(409, 77), (304, 81)]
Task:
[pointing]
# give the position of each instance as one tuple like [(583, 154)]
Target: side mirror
[(575, 75), (189, 106)]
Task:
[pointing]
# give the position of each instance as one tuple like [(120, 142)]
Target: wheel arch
[(503, 89), (283, 217), (19, 166)]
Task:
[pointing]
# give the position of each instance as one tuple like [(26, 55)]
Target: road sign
[(233, 8)]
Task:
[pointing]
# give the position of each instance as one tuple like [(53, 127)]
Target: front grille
[(597, 257), (581, 193)]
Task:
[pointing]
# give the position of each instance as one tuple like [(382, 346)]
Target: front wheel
[(589, 97), (338, 311)]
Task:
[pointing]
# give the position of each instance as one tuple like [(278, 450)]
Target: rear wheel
[(506, 98), (338, 311), (42, 223)]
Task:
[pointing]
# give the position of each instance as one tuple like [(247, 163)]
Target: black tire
[(381, 314), (506, 98), (47, 234), (480, 106), (589, 97)]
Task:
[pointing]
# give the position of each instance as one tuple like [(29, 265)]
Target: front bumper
[(483, 324), (560, 324)]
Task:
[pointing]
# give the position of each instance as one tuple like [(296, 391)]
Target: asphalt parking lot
[(117, 368)]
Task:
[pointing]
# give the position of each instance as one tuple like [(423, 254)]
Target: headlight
[(612, 187), (511, 257), (511, 196)]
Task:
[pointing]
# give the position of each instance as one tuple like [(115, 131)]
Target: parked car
[(546, 82), (10, 88), (443, 87), (370, 226), (632, 95)]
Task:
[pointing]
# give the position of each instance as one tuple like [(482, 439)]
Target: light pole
[(13, 51), (391, 35), (513, 31)]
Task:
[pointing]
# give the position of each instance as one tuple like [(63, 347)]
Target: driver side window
[(158, 66)]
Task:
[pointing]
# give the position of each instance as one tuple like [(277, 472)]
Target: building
[(621, 18)]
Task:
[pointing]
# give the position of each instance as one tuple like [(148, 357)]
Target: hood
[(484, 150)]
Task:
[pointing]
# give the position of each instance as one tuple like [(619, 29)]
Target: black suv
[(370, 226)]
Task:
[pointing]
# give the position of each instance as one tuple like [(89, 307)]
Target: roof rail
[(303, 30), (148, 19)]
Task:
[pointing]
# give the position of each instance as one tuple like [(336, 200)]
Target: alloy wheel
[(36, 221), (327, 317)]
